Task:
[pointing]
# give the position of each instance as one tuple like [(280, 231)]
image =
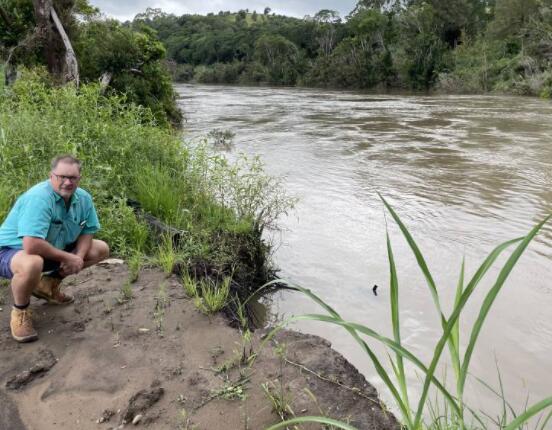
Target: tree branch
[(70, 57)]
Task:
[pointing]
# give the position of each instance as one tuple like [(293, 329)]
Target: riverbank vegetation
[(459, 46), (218, 209), (126, 61), (183, 207)]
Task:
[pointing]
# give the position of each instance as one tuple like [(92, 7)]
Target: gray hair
[(65, 158)]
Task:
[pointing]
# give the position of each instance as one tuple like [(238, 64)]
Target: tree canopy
[(128, 60), (458, 45)]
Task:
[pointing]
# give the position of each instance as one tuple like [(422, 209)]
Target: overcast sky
[(126, 9)]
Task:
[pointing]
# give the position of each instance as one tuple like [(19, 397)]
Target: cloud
[(126, 9)]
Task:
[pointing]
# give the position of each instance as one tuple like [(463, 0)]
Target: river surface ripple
[(464, 173)]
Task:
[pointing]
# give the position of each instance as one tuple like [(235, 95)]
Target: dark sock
[(21, 307), (55, 274)]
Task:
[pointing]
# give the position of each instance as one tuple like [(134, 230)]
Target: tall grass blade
[(464, 298), (491, 296), (545, 422), (455, 340), (388, 342), (425, 270), (395, 321), (455, 335), (419, 257), (529, 413)]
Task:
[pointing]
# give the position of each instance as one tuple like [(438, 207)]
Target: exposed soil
[(157, 362)]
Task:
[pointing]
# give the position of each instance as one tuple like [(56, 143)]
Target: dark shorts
[(6, 255)]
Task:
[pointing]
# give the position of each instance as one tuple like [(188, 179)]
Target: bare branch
[(70, 57)]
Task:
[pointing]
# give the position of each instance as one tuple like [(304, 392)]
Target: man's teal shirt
[(41, 212)]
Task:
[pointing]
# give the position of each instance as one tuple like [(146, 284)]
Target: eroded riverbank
[(104, 360)]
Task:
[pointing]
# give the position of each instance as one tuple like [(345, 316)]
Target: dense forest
[(453, 46), (128, 61)]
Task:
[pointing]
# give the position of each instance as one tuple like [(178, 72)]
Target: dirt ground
[(155, 360)]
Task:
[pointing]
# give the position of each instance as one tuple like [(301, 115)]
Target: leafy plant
[(280, 400), (212, 296), (166, 254), (126, 293), (189, 285), (412, 414), (134, 265)]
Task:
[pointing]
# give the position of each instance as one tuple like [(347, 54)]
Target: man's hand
[(71, 264)]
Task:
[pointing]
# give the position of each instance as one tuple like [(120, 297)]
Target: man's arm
[(70, 263), (84, 243)]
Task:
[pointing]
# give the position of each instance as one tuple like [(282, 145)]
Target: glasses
[(64, 178)]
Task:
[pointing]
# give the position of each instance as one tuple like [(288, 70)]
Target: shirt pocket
[(55, 234), (73, 230)]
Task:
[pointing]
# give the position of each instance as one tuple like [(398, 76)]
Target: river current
[(464, 173)]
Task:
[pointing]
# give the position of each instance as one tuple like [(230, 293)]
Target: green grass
[(454, 414), (189, 285), (166, 255), (212, 296), (135, 263), (126, 293)]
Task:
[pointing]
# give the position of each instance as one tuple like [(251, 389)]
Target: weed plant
[(189, 286), (135, 263), (212, 295), (166, 255), (454, 414), (126, 293), (161, 301)]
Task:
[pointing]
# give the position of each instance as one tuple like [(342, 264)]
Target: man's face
[(65, 179)]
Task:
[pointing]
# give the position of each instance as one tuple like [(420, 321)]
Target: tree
[(130, 61), (44, 35), (267, 10), (326, 21), (280, 56)]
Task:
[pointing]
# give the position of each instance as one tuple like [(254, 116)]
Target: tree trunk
[(56, 46), (71, 64)]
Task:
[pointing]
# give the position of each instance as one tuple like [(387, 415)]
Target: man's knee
[(99, 250), (24, 264)]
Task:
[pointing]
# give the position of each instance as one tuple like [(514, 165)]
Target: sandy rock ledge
[(156, 362)]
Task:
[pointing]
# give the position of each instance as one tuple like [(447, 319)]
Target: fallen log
[(156, 225)]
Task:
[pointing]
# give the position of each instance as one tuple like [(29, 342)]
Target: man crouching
[(49, 229)]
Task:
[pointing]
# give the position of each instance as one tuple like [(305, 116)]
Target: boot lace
[(25, 319)]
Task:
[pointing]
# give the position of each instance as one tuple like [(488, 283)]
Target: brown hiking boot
[(49, 289), (22, 325)]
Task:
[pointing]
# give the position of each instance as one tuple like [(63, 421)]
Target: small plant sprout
[(134, 265), (189, 285), (166, 254), (280, 400), (232, 390), (213, 295), (161, 302), (126, 291)]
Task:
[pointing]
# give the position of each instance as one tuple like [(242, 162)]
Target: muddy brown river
[(464, 172)]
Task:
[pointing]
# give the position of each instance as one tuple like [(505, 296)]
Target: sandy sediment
[(155, 360)]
